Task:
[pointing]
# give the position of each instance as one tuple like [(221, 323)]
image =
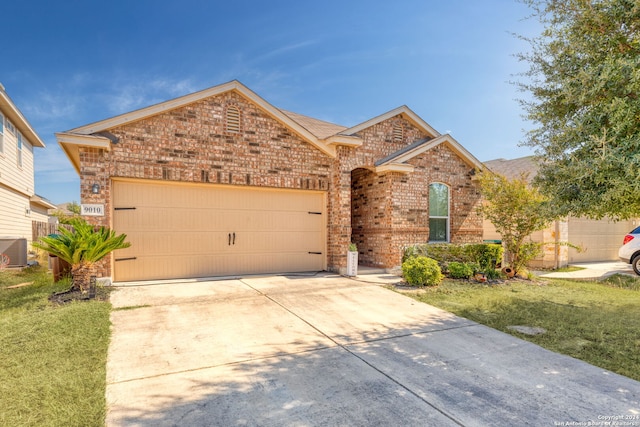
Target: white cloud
[(132, 95)]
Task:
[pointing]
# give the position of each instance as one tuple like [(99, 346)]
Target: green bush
[(414, 251), (460, 270), (486, 255), (421, 271)]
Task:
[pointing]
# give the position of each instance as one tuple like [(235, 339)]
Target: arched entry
[(370, 216)]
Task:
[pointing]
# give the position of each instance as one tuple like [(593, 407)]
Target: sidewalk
[(591, 270)]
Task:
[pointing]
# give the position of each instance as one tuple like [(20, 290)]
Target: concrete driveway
[(329, 351)]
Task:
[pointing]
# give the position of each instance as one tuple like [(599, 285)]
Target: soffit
[(10, 110)]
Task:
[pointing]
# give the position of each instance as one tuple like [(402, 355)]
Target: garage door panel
[(179, 231), (599, 239), (265, 241)]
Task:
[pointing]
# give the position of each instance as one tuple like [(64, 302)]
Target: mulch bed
[(405, 287), (102, 294)]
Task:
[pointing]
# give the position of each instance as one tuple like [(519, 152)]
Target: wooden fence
[(39, 229)]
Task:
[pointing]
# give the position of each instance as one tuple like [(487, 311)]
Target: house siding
[(16, 187), (19, 178), (15, 219)]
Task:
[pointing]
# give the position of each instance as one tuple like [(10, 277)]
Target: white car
[(629, 252)]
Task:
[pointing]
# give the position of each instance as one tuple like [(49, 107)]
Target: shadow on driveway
[(325, 350)]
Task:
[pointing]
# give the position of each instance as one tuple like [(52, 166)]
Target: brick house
[(220, 182)]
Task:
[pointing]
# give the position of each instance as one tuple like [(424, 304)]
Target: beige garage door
[(199, 230), (600, 239)]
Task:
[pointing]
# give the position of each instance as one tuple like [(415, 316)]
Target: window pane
[(437, 229), (438, 200)]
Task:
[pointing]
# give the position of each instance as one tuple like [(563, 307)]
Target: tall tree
[(584, 81)]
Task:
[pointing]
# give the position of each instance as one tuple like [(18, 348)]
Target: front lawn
[(597, 322), (52, 357)]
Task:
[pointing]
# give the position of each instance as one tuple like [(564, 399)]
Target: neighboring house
[(19, 205), (599, 240), (220, 182)]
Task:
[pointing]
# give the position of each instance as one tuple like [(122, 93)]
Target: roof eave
[(402, 168), (343, 140), (404, 110), (455, 146), (70, 144), (19, 120), (182, 101), (37, 200)]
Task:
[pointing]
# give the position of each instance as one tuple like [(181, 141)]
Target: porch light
[(95, 188)]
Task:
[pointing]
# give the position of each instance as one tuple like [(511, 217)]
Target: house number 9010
[(92, 210)]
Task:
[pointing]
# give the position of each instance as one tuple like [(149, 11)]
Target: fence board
[(40, 228)]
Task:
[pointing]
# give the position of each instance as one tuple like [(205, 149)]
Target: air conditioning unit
[(16, 249)]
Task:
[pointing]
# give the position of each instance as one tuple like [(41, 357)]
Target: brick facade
[(380, 212)]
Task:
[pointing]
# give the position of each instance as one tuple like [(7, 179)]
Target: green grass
[(568, 269), (52, 357), (597, 322)]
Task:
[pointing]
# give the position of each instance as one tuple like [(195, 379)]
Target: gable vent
[(398, 133), (233, 119)]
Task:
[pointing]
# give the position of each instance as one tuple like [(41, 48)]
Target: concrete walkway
[(592, 270), (326, 351)]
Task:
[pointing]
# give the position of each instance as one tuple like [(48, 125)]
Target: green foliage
[(353, 247), (584, 82), (83, 244), (53, 357), (421, 271), (74, 207), (488, 256), (460, 270), (414, 251), (516, 210), (623, 281), (484, 254), (81, 247)]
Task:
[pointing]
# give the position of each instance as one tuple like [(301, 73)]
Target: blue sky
[(70, 63)]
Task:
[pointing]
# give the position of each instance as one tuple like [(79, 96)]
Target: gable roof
[(400, 157), (320, 128), (10, 110), (72, 139), (402, 110), (514, 168), (323, 135)]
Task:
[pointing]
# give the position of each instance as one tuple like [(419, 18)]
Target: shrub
[(414, 251), (487, 255), (421, 271), (460, 270)]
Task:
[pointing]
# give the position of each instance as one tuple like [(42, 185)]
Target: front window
[(438, 213)]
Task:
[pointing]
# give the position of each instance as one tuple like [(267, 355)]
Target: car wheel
[(636, 264)]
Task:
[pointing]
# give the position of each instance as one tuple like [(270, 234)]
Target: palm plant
[(82, 247)]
